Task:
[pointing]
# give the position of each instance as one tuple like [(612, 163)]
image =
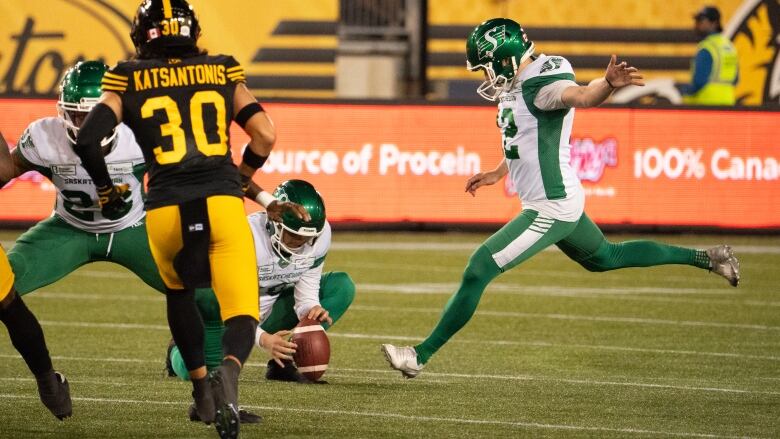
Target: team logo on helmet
[(490, 41)]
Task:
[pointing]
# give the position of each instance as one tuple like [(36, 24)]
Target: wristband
[(253, 160), (609, 83), (265, 199)]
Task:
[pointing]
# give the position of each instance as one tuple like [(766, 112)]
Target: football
[(313, 352)]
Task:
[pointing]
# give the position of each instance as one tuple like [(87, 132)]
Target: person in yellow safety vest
[(715, 68)]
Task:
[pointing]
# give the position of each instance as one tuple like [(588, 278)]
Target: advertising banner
[(405, 163)]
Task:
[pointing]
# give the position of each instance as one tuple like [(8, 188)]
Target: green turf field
[(553, 351)]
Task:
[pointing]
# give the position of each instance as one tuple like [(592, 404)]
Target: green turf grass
[(553, 351)]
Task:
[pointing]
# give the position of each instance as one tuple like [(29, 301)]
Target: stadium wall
[(407, 164)]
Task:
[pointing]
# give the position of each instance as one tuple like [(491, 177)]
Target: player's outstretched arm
[(594, 94), (486, 178), (274, 207)]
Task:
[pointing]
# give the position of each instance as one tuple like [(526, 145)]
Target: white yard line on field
[(401, 417), (544, 344), (610, 319), (467, 376), (458, 375), (418, 339), (640, 294)]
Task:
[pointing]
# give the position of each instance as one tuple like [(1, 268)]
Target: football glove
[(113, 201)]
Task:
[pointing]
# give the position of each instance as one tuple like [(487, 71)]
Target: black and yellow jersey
[(180, 111)]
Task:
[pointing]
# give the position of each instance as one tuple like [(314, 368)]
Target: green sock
[(212, 349), (642, 253), (178, 364), (462, 305)]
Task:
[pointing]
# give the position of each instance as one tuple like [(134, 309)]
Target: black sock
[(26, 335), (186, 327), (239, 337)]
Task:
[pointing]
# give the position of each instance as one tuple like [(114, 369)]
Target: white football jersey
[(274, 274), (46, 147), (536, 143)]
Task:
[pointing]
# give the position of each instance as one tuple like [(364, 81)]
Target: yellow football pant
[(6, 276), (231, 253)]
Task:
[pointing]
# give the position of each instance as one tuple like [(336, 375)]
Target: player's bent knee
[(599, 261), (481, 267), (345, 286)]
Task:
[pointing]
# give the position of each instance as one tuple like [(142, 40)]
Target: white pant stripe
[(519, 245)]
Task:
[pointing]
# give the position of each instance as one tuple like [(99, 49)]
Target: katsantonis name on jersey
[(490, 41), (46, 147)]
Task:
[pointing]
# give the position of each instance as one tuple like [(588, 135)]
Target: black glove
[(112, 199)]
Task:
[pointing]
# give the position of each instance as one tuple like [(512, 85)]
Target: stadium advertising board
[(388, 163)]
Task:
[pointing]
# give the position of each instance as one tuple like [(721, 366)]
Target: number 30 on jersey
[(174, 130)]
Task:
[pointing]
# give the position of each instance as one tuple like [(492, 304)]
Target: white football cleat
[(724, 263), (403, 359)]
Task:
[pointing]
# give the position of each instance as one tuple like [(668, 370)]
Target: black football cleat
[(168, 364), (54, 391), (204, 400), (224, 385), (288, 373), (244, 416)]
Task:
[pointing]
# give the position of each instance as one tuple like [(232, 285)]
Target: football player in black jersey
[(179, 102)]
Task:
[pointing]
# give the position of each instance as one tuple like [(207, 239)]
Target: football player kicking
[(537, 96), (290, 254)]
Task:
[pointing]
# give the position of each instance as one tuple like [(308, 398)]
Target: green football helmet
[(499, 46), (79, 92), (303, 193)]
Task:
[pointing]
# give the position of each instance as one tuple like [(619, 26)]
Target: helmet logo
[(282, 195), (152, 34), (490, 41)]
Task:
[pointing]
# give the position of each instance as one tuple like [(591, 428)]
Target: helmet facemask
[(73, 115), (493, 85), (279, 231)]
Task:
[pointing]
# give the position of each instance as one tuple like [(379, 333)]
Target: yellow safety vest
[(720, 86)]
